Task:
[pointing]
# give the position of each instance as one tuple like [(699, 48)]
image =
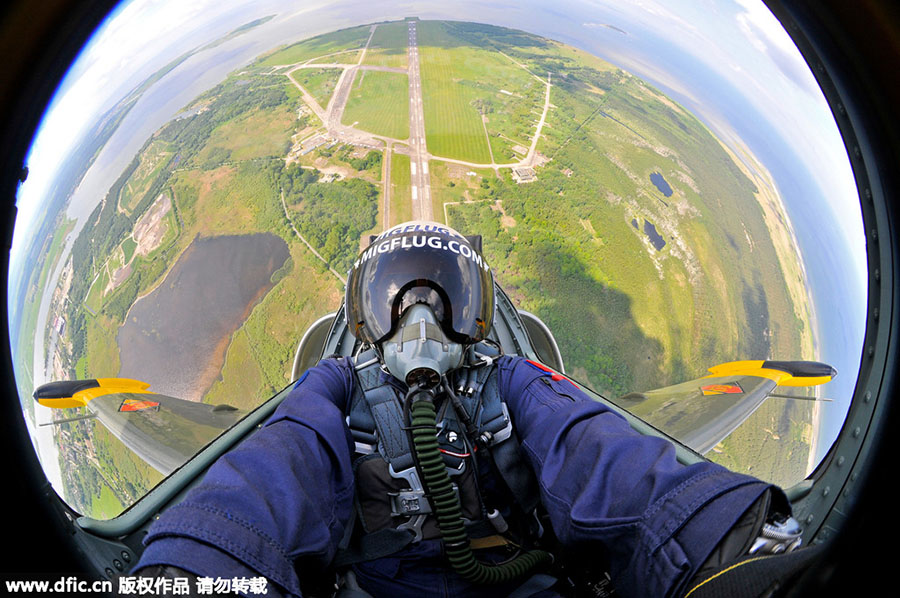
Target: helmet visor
[(436, 269)]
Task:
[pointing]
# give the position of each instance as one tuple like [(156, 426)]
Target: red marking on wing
[(137, 405), (722, 389)]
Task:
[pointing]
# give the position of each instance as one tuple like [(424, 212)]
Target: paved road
[(338, 101), (529, 160), (418, 153)]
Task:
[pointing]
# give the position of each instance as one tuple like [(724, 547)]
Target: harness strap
[(388, 417), (494, 418), (376, 421), (359, 419), (377, 418), (373, 546)]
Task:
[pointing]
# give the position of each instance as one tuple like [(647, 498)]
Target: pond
[(661, 184), (655, 238)]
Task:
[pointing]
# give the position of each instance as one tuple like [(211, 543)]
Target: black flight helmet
[(420, 262)]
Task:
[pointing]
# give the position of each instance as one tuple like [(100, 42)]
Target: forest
[(332, 216)]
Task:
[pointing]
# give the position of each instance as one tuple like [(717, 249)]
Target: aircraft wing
[(163, 431), (701, 413)]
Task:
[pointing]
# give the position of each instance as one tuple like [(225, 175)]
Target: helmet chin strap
[(419, 353)]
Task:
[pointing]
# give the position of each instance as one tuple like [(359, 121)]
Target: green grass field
[(106, 504), (128, 247), (453, 127), (94, 301), (379, 104), (388, 46), (401, 193), (330, 43), (101, 348), (462, 82), (272, 129), (320, 83)]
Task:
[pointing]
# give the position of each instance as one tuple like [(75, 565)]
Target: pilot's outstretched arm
[(603, 482), (286, 491)]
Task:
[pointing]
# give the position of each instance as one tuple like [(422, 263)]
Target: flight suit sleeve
[(285, 492), (603, 483)]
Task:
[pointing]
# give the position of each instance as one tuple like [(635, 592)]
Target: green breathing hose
[(447, 508)]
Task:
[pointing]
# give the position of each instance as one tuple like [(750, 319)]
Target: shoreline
[(781, 230)]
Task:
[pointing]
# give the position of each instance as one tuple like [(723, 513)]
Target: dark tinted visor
[(403, 269)]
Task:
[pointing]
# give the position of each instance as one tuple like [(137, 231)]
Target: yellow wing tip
[(67, 394), (783, 373)]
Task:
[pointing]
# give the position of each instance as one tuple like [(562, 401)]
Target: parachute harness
[(422, 424)]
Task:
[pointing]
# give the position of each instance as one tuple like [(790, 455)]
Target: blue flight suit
[(288, 491)]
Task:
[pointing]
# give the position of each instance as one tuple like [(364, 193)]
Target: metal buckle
[(408, 503), (416, 521), (501, 434), (411, 503)]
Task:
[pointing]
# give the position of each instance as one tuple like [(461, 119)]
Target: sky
[(700, 51)]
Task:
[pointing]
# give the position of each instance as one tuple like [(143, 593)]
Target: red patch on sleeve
[(553, 375)]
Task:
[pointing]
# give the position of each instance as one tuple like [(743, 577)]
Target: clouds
[(606, 25), (764, 33)]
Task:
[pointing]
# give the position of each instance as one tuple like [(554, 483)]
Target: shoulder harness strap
[(495, 427), (375, 415)]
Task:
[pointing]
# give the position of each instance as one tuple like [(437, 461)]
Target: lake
[(175, 337)]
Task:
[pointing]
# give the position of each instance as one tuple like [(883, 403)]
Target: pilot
[(431, 464)]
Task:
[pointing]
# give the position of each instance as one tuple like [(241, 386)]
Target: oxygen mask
[(419, 353)]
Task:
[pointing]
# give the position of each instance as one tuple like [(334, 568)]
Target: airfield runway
[(418, 153)]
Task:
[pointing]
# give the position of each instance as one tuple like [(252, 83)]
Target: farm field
[(453, 127), (478, 103)]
